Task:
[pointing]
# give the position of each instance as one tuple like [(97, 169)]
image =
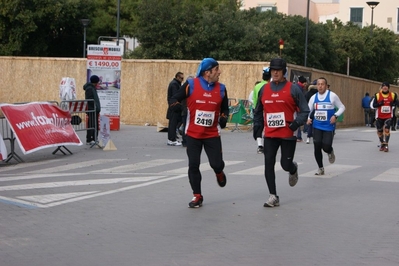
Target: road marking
[(259, 170), (73, 166), (203, 167), (27, 204), (137, 166), (26, 165), (35, 176), (390, 175), (54, 197), (331, 171), (79, 183)]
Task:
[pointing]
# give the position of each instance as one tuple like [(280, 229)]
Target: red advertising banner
[(40, 125)]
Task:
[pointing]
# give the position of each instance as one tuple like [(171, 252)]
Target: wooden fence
[(144, 84)]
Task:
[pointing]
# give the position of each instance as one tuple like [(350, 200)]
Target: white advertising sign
[(105, 62)]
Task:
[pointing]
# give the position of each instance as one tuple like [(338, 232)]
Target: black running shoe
[(221, 178), (196, 202)]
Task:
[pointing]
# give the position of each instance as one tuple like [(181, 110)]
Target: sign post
[(105, 62)]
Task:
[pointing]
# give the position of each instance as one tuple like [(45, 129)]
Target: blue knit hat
[(206, 64)]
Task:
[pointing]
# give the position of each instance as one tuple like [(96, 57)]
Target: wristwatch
[(335, 116)]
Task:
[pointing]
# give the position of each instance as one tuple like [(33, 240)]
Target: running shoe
[(331, 157), (386, 149), (320, 171), (273, 201), (293, 178), (260, 150), (196, 202), (307, 140), (174, 143), (382, 147), (221, 178)]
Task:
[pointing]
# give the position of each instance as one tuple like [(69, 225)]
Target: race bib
[(385, 109), (275, 119), (320, 115), (204, 118)]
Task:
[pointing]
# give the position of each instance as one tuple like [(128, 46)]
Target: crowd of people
[(281, 110)]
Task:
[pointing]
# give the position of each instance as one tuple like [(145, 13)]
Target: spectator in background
[(312, 89), (182, 128), (302, 83), (91, 94), (366, 108), (265, 79), (174, 115)]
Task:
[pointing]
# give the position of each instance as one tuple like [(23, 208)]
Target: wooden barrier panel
[(145, 83)]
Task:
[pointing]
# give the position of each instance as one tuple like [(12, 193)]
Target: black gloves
[(257, 132), (222, 121), (294, 126), (380, 103)]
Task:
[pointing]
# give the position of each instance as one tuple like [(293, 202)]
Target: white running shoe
[(307, 140), (174, 143), (320, 171), (273, 201)]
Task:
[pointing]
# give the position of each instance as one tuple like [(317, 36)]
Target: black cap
[(94, 79), (302, 79), (385, 84), (278, 64)]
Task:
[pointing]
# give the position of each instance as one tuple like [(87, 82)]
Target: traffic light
[(281, 43)]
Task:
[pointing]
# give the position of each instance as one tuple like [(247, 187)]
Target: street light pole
[(117, 22), (85, 22), (307, 34), (372, 4)]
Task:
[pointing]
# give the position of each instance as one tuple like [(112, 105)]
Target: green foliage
[(194, 29), (371, 56)]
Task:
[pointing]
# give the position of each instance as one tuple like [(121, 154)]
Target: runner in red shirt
[(207, 112), (280, 111)]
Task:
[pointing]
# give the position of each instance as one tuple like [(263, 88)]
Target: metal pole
[(84, 41), (348, 66), (372, 15), (117, 22), (307, 34)]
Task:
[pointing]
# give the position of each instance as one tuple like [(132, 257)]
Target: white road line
[(203, 167), (79, 183), (137, 166), (331, 170), (33, 204), (26, 165), (390, 175), (78, 165), (260, 170), (35, 176), (55, 197)]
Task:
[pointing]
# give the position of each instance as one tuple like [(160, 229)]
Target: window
[(357, 16), (266, 8)]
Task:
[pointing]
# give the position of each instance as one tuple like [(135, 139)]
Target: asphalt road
[(129, 206)]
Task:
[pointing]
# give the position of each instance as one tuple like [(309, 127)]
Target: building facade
[(385, 14)]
